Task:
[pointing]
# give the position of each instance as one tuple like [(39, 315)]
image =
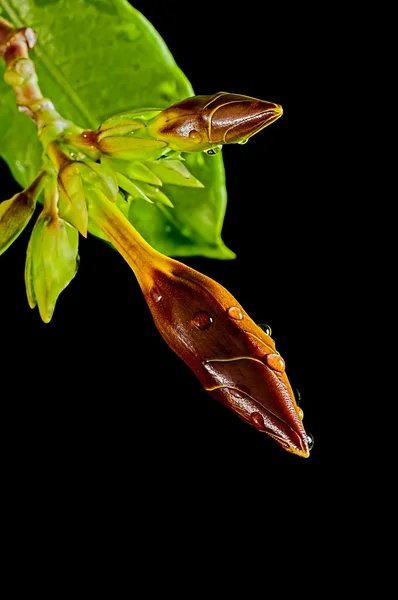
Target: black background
[(97, 393)]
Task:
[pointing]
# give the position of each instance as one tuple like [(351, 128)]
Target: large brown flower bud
[(234, 359), (203, 122)]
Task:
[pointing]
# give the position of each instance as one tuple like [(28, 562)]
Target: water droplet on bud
[(201, 320), (301, 413), (195, 136), (235, 313), (266, 328), (214, 150), (257, 420), (310, 439), (275, 362)]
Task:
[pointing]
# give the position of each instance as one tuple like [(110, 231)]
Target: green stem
[(21, 76), (141, 257)]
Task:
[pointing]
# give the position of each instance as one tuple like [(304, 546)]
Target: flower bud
[(234, 359), (203, 122), (51, 262), (15, 214)]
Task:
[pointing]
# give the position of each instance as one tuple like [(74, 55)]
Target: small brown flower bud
[(202, 122)]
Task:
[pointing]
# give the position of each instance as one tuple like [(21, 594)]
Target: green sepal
[(138, 189), (127, 122), (132, 148), (156, 195), (114, 126), (132, 169), (16, 213), (51, 262), (132, 188), (71, 204), (101, 176), (173, 172), (30, 292)]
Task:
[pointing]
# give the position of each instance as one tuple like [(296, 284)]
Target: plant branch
[(21, 76)]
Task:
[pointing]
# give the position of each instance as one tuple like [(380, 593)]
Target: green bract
[(101, 176), (51, 262), (16, 213), (119, 66), (72, 205)]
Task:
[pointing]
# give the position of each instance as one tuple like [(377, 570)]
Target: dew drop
[(195, 136), (155, 295), (275, 362), (298, 396), (300, 413), (201, 320), (214, 150), (235, 313), (257, 420), (310, 440), (243, 142), (266, 328)]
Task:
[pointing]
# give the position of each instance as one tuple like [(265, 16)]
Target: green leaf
[(97, 59)]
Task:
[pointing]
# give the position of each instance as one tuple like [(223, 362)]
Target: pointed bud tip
[(296, 442), (46, 318)]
